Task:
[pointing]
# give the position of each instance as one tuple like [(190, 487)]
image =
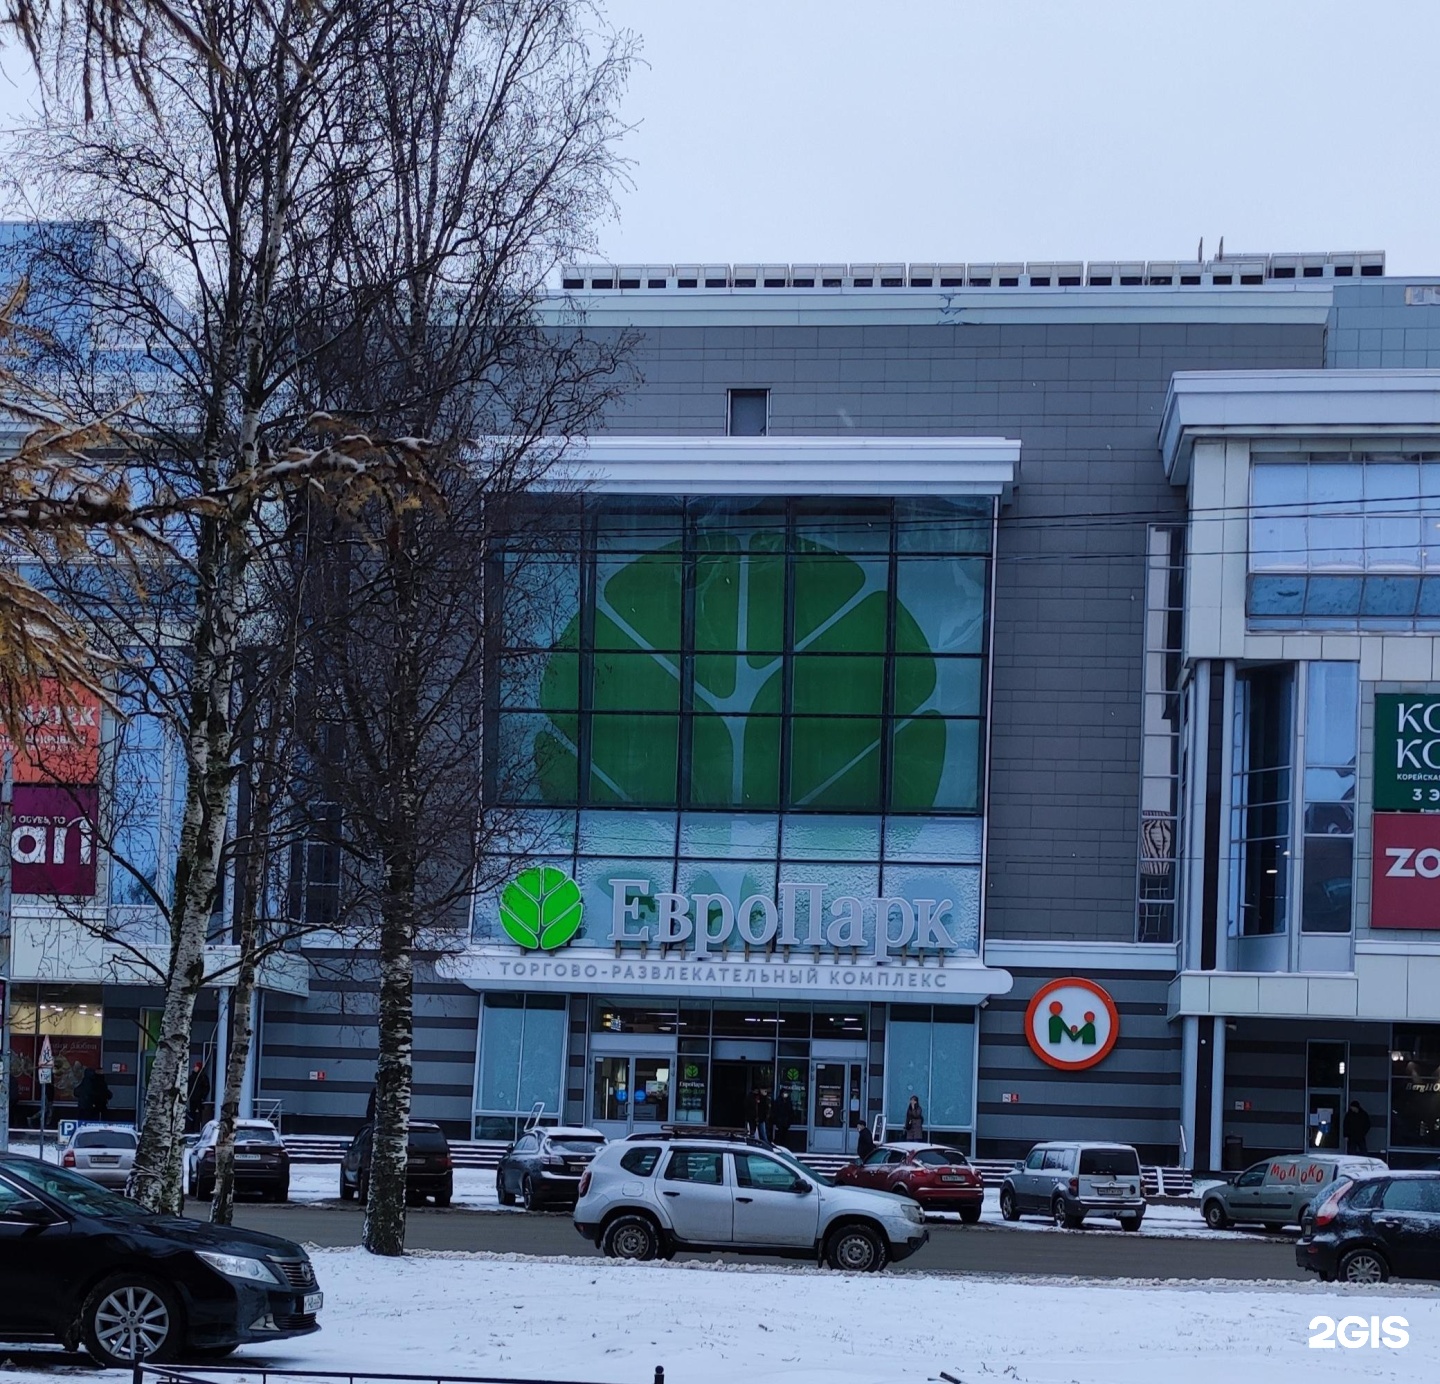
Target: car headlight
[(236, 1266), (911, 1212)]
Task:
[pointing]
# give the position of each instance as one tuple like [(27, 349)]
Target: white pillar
[(252, 1060), (222, 1045), (1189, 1060), (1217, 1096)]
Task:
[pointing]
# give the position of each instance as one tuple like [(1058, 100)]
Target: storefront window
[(1331, 730), (1261, 791), (522, 1049), (1415, 1087), (72, 1019), (930, 1054)]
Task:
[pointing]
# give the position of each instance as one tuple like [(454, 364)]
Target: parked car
[(429, 1169), (1374, 1228), (83, 1265), (104, 1153), (939, 1178), (647, 1199), (262, 1163), (1276, 1192), (1070, 1181), (543, 1166)]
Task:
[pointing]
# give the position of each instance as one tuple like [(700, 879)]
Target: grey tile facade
[(1084, 399)]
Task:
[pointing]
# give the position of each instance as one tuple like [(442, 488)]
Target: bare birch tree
[(173, 223), (494, 130)]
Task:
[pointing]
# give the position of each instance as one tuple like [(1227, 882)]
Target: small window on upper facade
[(749, 412)]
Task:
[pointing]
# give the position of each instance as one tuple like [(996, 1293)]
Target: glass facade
[(930, 1053), (1263, 756), (1332, 710), (1415, 1087), (1345, 542), (522, 1054), (748, 655)]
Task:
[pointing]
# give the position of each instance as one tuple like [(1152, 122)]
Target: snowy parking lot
[(612, 1323), (475, 1191)]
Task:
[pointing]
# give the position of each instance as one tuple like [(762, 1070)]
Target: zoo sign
[(1071, 1024)]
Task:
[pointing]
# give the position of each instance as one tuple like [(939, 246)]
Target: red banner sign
[(62, 736), (52, 840), (1405, 870)]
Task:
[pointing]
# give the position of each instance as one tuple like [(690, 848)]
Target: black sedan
[(1373, 1229), (544, 1167), (81, 1264)]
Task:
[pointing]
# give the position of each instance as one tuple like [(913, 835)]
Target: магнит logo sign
[(541, 908), (1071, 1024)]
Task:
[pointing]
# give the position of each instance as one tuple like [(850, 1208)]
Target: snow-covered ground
[(612, 1323), (475, 1190)]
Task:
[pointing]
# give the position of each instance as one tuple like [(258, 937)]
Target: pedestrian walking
[(865, 1146), (1355, 1127), (85, 1094), (914, 1120), (781, 1116), (760, 1113), (199, 1094)]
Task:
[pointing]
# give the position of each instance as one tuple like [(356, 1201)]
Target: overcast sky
[(852, 130)]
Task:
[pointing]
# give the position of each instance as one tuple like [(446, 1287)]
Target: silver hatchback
[(103, 1153)]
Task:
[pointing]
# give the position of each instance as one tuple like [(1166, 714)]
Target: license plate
[(104, 1160), (313, 1303), (950, 1177), (248, 1157), (1107, 1189)]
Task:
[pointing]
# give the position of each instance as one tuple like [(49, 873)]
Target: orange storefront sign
[(62, 736)]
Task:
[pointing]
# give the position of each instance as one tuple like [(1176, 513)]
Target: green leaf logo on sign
[(541, 908)]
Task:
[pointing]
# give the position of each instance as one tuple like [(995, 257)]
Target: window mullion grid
[(787, 660), (887, 676), (685, 750), (586, 654)]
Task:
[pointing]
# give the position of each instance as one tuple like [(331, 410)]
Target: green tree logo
[(840, 607), (541, 908)]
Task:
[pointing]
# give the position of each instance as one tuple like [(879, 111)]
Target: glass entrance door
[(631, 1093), (837, 1106)]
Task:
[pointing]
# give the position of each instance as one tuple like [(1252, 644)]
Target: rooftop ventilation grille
[(1232, 271)]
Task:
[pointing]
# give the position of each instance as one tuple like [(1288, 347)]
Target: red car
[(939, 1178)]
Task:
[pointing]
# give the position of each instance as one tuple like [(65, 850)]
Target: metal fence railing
[(142, 1373)]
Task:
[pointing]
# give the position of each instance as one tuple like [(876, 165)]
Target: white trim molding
[(1293, 403), (1381, 989), (1064, 957), (888, 466)]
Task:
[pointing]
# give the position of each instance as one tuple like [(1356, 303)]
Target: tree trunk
[(222, 1209), (385, 1203)]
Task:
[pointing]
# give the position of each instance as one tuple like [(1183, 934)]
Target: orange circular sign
[(1071, 1024)]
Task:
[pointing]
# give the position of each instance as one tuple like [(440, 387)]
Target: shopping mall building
[(1015, 686)]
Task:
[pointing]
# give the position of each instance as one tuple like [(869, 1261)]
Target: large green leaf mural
[(837, 698)]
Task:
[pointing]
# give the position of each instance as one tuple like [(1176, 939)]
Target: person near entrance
[(1355, 1127), (865, 1146), (780, 1118), (914, 1120), (760, 1113)]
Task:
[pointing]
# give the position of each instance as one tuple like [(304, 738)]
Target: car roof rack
[(711, 1132)]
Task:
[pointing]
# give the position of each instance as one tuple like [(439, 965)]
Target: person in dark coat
[(85, 1095), (103, 1096), (866, 1144), (760, 1113), (199, 1094), (914, 1121), (1355, 1127), (781, 1114)]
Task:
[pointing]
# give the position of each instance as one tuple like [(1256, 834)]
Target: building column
[(1217, 1094), (1189, 1058)]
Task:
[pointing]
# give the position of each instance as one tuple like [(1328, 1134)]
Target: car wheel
[(1363, 1266), (631, 1237), (205, 1190), (1063, 1218), (527, 1194), (970, 1215), (501, 1195), (130, 1315), (282, 1193), (347, 1192), (443, 1198), (1215, 1216), (1129, 1222), (1008, 1210), (856, 1249)]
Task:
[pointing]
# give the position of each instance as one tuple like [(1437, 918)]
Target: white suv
[(650, 1196)]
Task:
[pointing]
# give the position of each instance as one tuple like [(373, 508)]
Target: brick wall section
[(1085, 401)]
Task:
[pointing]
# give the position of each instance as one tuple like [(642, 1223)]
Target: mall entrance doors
[(838, 1105), (732, 1089), (631, 1093)]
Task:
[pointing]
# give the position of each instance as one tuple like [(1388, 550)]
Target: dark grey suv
[(1374, 1229)]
